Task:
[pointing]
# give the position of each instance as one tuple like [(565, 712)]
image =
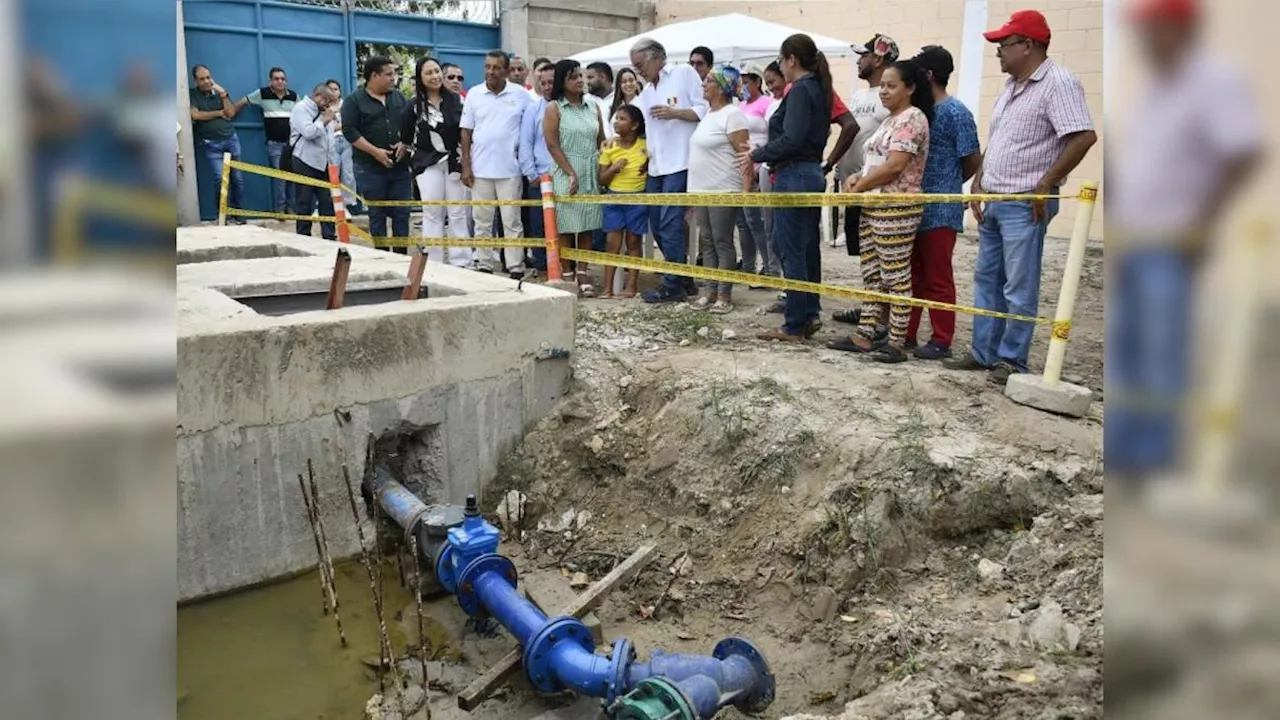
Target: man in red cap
[(1040, 131), (1182, 158)]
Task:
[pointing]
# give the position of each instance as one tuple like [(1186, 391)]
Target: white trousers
[(502, 189), (437, 183)]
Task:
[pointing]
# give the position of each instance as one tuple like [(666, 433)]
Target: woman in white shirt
[(713, 168)]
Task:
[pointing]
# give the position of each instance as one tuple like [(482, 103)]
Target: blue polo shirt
[(953, 136)]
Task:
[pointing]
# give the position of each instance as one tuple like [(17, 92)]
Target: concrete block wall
[(435, 390), (1076, 24), (560, 28)]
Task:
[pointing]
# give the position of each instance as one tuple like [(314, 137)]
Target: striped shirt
[(275, 111), (1029, 127)]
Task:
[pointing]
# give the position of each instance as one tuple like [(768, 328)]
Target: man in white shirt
[(673, 106), (490, 163), (600, 90), (879, 52), (311, 136)]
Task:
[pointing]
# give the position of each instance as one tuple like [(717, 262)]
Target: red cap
[(1177, 10), (1027, 23)]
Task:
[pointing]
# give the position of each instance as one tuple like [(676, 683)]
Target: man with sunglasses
[(1040, 131), (454, 79)]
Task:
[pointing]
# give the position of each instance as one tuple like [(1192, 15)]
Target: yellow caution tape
[(732, 276), (736, 199), (279, 174), (450, 203), (770, 200), (454, 242), (264, 215)]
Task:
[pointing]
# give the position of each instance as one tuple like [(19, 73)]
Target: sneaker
[(663, 295), (966, 363), (1000, 373), (777, 308), (722, 307), (813, 327), (933, 351)]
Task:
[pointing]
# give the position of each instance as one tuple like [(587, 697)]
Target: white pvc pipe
[(1070, 283)]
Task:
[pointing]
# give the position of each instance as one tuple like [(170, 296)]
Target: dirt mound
[(913, 556)]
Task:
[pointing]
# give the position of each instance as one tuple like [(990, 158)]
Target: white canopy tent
[(734, 38)]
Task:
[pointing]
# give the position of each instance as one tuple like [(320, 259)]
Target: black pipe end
[(473, 508)]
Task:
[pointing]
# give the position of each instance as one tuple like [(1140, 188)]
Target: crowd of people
[(660, 126)]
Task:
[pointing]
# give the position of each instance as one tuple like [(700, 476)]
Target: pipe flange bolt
[(619, 663), (537, 654), (468, 598), (656, 698), (756, 702)]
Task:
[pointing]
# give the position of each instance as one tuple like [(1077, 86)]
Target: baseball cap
[(935, 58), (1176, 10), (1027, 23), (752, 69), (881, 45)]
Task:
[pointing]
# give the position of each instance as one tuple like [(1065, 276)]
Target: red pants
[(932, 279)]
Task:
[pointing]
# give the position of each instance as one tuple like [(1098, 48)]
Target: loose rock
[(990, 571), (825, 605)]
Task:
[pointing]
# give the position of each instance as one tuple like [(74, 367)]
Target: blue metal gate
[(240, 40)]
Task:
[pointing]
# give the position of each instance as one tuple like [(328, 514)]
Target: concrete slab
[(551, 593), (447, 385), (1062, 399)]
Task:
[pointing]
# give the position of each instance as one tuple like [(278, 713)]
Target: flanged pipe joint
[(560, 654)]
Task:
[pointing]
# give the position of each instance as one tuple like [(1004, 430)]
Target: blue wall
[(240, 40)]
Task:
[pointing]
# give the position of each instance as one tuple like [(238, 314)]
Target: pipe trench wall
[(451, 382)]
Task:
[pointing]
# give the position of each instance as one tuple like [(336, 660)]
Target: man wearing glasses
[(1040, 131), (673, 106), (454, 79)]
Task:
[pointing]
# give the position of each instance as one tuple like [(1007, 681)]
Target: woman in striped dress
[(574, 135), (895, 160)]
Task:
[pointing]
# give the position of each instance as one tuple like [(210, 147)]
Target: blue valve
[(468, 543)]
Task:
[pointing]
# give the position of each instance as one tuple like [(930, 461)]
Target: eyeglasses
[(1011, 43)]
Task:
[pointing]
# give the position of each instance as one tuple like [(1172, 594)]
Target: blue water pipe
[(559, 653)]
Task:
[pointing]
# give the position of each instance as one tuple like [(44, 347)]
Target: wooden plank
[(338, 283), (493, 678), (417, 266)]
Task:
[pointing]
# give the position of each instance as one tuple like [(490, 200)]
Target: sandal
[(846, 344), (721, 307), (586, 291), (851, 317), (888, 354)]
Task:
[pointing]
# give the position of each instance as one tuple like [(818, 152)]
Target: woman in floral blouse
[(432, 132), (895, 161)]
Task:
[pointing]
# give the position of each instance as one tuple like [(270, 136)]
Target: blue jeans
[(386, 184), (534, 226), (279, 189), (796, 236), (667, 224), (1006, 278), (1147, 328), (213, 150)]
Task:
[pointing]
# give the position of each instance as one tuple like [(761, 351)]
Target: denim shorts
[(628, 218)]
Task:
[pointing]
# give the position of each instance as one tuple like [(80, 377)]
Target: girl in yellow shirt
[(624, 165)]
